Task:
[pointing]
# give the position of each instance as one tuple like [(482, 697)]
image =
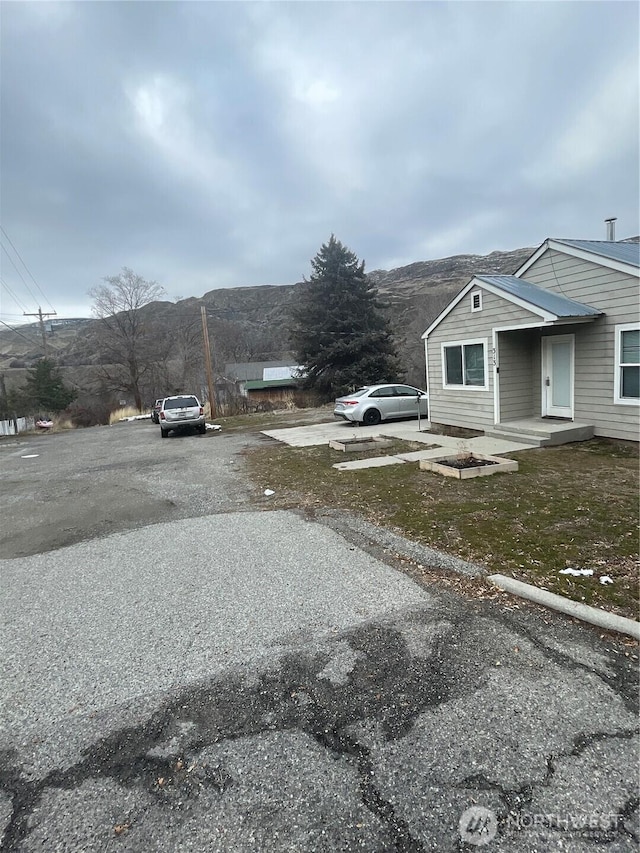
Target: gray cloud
[(219, 144)]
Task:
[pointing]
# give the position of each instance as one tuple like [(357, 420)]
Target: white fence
[(8, 427)]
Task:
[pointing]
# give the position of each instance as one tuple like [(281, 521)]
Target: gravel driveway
[(187, 670)]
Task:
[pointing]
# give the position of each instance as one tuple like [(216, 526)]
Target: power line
[(35, 299), (26, 267), (12, 294), (31, 343)]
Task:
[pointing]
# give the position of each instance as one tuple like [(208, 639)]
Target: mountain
[(250, 323)]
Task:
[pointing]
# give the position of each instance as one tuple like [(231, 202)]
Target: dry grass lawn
[(572, 506)]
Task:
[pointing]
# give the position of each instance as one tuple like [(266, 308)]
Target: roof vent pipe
[(611, 228)]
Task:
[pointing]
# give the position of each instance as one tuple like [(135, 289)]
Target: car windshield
[(358, 393), (180, 402)]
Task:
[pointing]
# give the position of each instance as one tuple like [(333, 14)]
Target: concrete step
[(535, 439), (542, 436)]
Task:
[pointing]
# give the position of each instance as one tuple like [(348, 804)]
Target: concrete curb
[(601, 618)]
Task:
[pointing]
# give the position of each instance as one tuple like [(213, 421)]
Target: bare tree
[(126, 336), (244, 342)]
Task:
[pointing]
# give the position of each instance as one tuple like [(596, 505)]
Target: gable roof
[(620, 255), (627, 253), (549, 306), (537, 297)]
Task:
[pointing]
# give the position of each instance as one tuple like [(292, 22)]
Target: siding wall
[(618, 295), (519, 383), (467, 407)]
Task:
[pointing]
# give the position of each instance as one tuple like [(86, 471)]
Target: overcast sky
[(210, 144)]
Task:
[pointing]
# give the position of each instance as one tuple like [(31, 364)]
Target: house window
[(464, 363), (627, 377), (476, 300)]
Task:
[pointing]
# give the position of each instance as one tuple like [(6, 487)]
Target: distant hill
[(250, 323)]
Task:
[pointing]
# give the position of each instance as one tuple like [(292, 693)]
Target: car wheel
[(202, 429), (164, 432), (371, 417)]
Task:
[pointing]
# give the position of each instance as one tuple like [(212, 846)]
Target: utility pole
[(207, 360), (41, 317)]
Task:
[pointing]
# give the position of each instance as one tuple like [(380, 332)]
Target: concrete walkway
[(318, 434)]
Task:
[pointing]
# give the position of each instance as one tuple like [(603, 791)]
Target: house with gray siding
[(550, 353)]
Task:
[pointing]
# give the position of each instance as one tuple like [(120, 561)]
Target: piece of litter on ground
[(577, 573), (606, 579), (30, 456), (269, 492)]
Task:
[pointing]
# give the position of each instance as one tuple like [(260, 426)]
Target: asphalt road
[(186, 670)]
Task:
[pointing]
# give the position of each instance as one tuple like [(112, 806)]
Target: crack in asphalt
[(517, 798), (618, 682), (343, 744), (230, 709), (386, 684)]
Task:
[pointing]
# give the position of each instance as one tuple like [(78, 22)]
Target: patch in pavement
[(380, 758), (220, 733)]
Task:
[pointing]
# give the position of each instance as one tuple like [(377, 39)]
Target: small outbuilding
[(274, 383)]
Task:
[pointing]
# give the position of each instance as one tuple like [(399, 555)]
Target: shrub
[(87, 413)]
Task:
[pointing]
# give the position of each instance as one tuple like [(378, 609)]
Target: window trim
[(467, 342), (477, 293), (618, 399)]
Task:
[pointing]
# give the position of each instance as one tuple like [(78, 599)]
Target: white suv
[(180, 413)]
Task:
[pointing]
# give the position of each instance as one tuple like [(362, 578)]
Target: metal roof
[(259, 384), (291, 371), (251, 369), (623, 251), (545, 300)]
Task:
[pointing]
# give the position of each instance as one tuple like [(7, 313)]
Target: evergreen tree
[(45, 387), (338, 332)]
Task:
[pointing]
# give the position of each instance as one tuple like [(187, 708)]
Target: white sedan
[(375, 403)]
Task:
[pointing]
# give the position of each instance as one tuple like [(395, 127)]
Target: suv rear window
[(181, 403)]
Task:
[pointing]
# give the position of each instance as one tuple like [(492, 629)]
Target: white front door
[(557, 376)]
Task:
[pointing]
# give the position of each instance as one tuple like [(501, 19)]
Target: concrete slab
[(497, 446), (315, 434), (396, 459), (407, 431), (417, 455), (374, 462), (318, 434)]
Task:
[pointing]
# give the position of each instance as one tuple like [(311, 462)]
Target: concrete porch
[(543, 432)]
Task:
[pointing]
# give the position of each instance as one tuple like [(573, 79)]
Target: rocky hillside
[(249, 323), (417, 293)]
